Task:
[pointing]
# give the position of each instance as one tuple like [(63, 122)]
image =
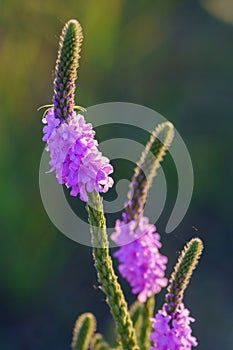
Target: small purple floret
[(52, 124), (172, 334), (141, 263), (74, 155)]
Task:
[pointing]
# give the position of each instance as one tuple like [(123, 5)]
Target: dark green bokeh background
[(173, 56)]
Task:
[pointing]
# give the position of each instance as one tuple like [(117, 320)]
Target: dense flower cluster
[(74, 155), (172, 333), (141, 263)]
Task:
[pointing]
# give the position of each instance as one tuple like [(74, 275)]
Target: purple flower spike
[(172, 334), (141, 263), (74, 155)]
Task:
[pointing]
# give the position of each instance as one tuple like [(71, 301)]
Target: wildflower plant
[(80, 166)]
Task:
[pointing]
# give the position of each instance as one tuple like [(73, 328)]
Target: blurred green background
[(174, 56)]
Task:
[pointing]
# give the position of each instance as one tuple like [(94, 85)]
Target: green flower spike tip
[(146, 169), (66, 69), (182, 273), (98, 343), (84, 329)]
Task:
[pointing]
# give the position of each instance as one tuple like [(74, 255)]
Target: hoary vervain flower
[(140, 260), (74, 155), (78, 164), (171, 325), (141, 263), (172, 333)]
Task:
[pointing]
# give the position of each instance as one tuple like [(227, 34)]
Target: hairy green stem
[(106, 274), (147, 313), (136, 311)]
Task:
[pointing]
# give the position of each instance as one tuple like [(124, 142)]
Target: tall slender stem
[(147, 313), (107, 276)]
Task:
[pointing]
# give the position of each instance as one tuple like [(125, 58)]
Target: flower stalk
[(147, 313), (106, 274)]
